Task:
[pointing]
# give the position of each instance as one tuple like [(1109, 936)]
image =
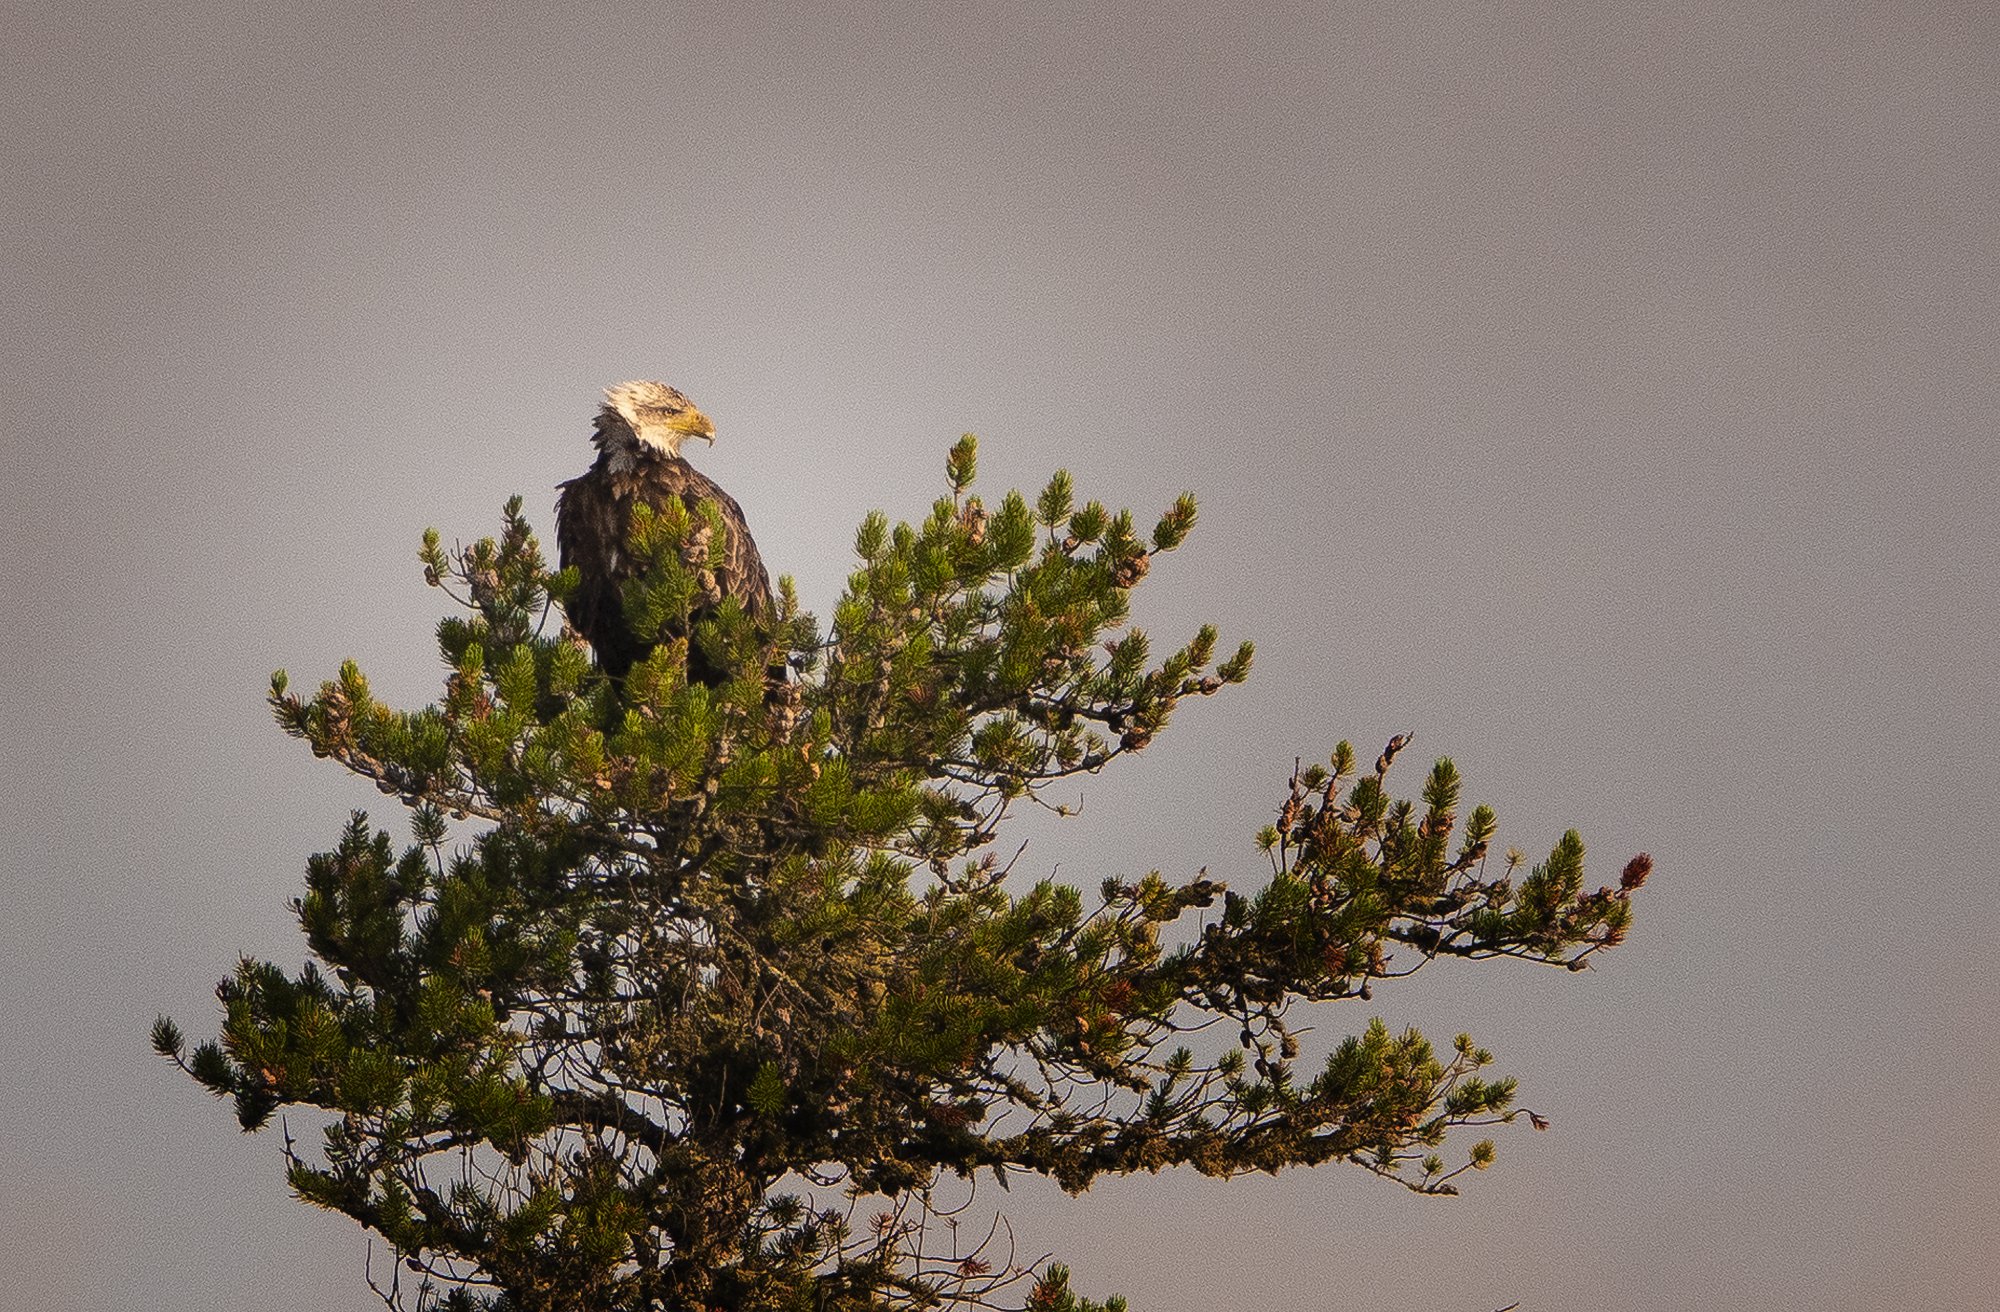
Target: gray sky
[(1609, 398)]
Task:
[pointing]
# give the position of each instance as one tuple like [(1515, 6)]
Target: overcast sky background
[(1610, 397)]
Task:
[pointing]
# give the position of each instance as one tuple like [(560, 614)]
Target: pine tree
[(689, 997)]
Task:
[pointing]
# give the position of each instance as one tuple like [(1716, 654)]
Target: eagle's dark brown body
[(638, 461)]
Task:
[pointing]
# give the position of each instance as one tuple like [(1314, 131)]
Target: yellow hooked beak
[(693, 423)]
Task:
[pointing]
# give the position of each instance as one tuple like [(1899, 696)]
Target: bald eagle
[(640, 428)]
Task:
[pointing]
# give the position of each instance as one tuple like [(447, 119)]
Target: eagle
[(639, 431)]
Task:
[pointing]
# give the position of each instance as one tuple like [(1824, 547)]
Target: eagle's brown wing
[(591, 522), (593, 517), (742, 574)]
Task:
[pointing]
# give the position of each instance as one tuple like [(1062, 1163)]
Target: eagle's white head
[(658, 415)]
